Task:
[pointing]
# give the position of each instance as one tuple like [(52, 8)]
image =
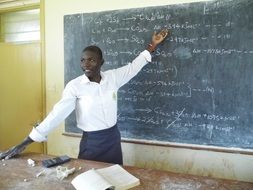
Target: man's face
[(91, 64)]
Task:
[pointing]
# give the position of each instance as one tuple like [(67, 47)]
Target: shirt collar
[(85, 79)]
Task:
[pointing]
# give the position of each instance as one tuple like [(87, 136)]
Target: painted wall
[(200, 162)]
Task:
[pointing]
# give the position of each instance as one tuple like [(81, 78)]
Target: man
[(93, 96)]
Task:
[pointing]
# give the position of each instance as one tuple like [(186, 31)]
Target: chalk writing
[(221, 51)]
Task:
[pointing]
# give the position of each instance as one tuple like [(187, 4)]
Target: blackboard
[(198, 88)]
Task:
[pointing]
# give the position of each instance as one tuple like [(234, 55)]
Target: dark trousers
[(103, 146)]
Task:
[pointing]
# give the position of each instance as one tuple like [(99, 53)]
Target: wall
[(200, 162)]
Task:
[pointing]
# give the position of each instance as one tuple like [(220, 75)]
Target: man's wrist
[(151, 47), (27, 141)]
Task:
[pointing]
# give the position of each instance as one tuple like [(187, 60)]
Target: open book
[(109, 178)]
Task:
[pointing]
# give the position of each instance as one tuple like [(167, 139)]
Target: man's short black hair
[(94, 49)]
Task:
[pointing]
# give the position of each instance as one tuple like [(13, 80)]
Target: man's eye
[(88, 60)]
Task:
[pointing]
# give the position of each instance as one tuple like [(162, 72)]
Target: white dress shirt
[(95, 103)]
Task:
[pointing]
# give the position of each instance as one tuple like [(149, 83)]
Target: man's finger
[(10, 155), (164, 32), (7, 157), (3, 154)]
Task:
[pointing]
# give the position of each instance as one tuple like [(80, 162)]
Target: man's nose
[(84, 62)]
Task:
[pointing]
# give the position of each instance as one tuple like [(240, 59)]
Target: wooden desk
[(13, 173)]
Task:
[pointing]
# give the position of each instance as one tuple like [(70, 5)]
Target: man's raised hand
[(157, 38)]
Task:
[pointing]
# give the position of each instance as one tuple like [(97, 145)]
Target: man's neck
[(96, 79)]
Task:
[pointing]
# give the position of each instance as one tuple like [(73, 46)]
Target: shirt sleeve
[(59, 112), (127, 72)]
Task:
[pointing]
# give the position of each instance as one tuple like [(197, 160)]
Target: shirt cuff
[(36, 136), (147, 55)]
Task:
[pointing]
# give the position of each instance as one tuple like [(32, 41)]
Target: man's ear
[(102, 61)]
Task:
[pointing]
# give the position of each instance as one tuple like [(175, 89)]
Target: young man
[(93, 96)]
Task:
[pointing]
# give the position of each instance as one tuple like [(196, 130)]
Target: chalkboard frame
[(174, 145), (193, 144)]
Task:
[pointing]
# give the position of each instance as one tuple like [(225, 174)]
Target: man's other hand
[(16, 150)]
